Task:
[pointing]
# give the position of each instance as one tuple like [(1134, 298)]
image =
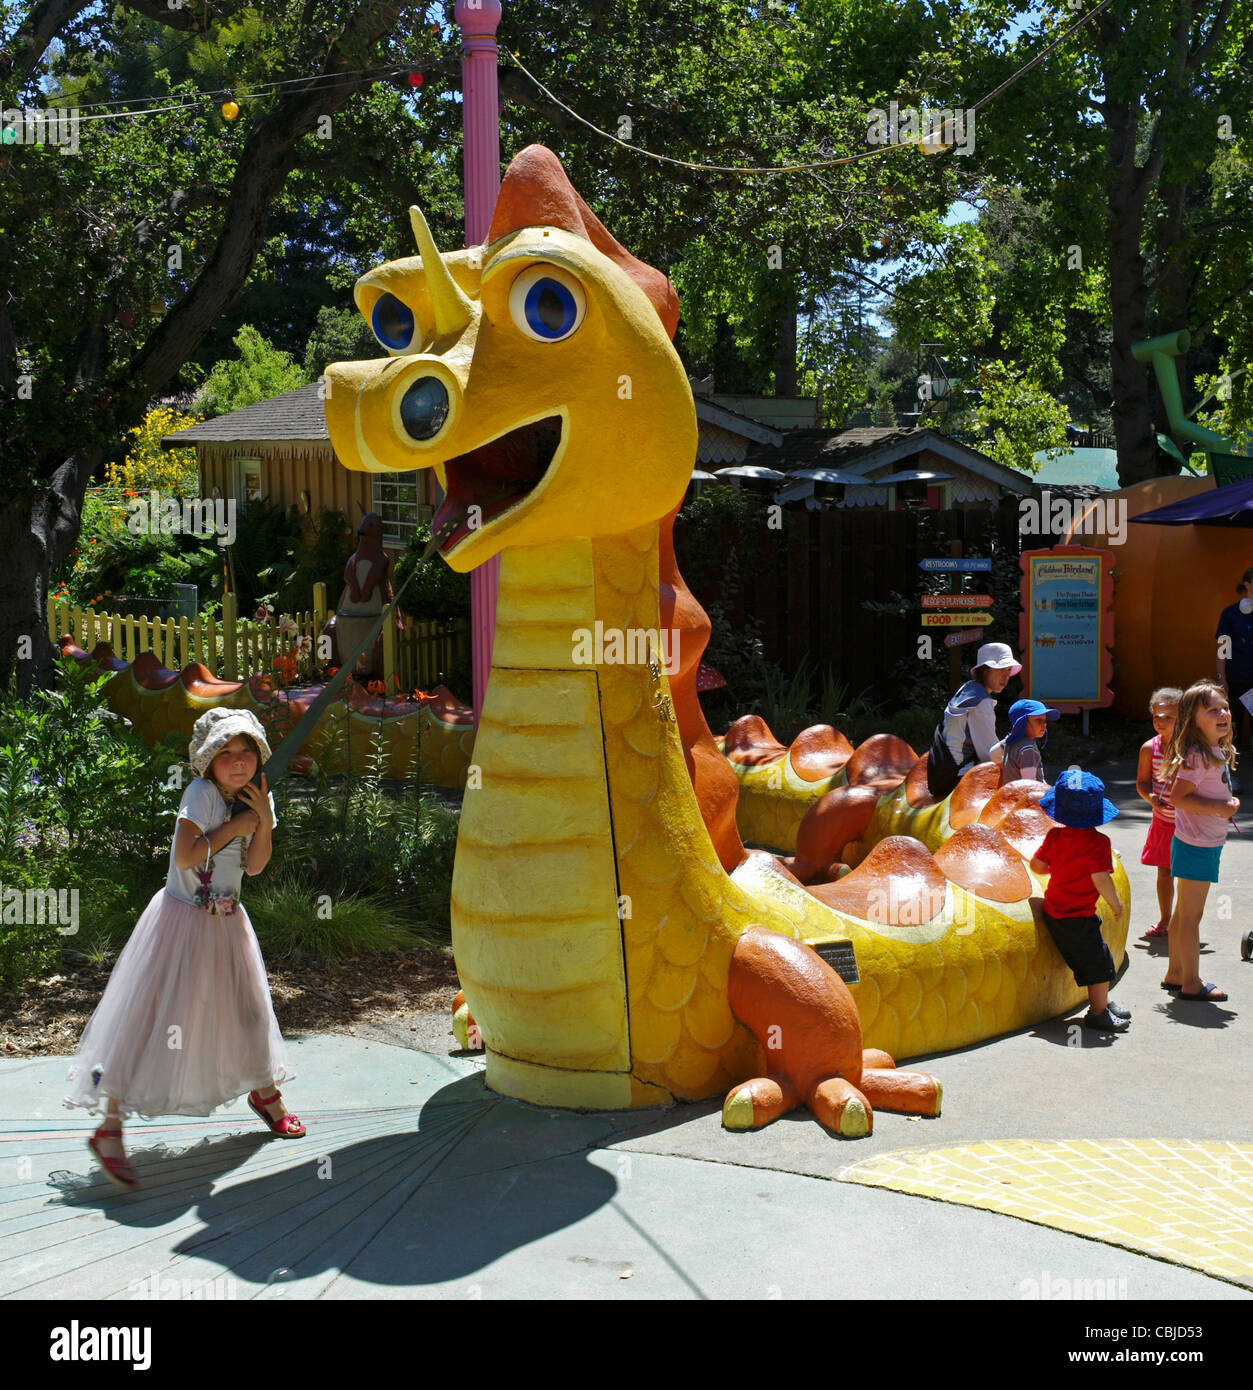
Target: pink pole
[(480, 124)]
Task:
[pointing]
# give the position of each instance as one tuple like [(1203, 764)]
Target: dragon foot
[(464, 1028), (806, 1023), (837, 1103)]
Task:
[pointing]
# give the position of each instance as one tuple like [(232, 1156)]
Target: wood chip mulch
[(46, 1017)]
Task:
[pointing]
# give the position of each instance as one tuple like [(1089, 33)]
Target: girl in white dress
[(186, 1023)]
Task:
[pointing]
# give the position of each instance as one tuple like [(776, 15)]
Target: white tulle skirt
[(186, 1024)]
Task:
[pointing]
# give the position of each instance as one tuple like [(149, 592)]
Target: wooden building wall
[(290, 468)]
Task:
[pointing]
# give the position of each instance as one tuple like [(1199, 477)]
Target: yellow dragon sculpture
[(613, 951)]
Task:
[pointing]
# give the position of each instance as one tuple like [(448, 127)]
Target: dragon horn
[(450, 306)]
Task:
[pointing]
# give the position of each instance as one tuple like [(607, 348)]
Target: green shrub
[(436, 592), (86, 805)]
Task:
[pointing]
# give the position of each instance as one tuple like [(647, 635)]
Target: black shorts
[(1081, 946)]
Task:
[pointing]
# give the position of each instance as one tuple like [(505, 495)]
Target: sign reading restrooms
[(1067, 626)]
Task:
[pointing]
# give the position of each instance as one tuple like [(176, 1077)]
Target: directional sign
[(959, 566), (955, 619), (957, 600), (959, 639)]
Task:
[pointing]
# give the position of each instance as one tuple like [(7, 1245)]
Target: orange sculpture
[(434, 735), (804, 1018), (1170, 585)]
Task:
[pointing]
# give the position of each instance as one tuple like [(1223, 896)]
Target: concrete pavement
[(415, 1182)]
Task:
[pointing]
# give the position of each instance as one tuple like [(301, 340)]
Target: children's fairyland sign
[(1067, 626)]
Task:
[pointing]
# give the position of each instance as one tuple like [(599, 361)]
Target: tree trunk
[(1173, 295), (785, 362), (1134, 436), (38, 528), (1129, 183), (37, 531)]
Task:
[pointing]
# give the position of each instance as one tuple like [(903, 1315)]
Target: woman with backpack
[(966, 735)]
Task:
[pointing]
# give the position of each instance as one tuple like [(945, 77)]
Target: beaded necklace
[(222, 902)]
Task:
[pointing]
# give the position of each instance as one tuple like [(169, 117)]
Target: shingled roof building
[(279, 450)]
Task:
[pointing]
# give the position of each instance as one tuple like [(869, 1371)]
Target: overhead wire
[(814, 164), (171, 103)]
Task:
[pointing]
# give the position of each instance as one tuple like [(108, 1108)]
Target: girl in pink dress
[(1197, 767), (1164, 707), (186, 1023)]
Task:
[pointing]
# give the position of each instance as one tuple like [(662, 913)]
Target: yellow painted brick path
[(1187, 1201)]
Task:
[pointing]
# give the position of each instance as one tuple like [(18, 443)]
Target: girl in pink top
[(1164, 707), (1197, 767)]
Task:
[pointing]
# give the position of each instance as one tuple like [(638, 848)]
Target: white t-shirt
[(206, 808)]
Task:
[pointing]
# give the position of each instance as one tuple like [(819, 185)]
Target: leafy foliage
[(1012, 418), (436, 591), (260, 372), (340, 335), (111, 559), (172, 472), (87, 807), (277, 563)]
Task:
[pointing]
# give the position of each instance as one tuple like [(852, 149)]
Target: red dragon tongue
[(490, 485), (491, 478), (453, 513)]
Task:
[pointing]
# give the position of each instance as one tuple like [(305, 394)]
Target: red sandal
[(114, 1168), (289, 1127)]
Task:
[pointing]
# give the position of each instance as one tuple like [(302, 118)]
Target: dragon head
[(534, 374)]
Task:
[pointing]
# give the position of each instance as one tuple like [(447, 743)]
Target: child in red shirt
[(1079, 862)]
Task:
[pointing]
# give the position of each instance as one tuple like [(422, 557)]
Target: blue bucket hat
[(1022, 710), (1077, 799)]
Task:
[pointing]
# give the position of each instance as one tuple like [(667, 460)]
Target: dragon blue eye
[(550, 309), (424, 408), (547, 304), (392, 322)]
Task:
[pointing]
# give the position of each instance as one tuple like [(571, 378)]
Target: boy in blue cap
[(1026, 738), (1079, 863)]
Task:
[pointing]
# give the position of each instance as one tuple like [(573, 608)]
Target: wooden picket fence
[(234, 648)]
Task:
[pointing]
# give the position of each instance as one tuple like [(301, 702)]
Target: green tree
[(1010, 417), (339, 335), (1129, 137), (259, 372), (116, 263)]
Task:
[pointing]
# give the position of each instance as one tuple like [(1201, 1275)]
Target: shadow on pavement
[(401, 1197)]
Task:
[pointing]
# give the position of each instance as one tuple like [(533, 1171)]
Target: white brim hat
[(214, 730), (998, 656)]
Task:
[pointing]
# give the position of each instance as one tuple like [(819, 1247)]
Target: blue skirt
[(1196, 862)]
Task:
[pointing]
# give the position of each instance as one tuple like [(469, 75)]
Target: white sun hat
[(214, 730), (997, 655)]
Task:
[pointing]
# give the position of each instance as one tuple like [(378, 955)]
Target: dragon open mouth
[(493, 478)]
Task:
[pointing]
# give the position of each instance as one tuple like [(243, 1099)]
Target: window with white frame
[(247, 481), (400, 501)]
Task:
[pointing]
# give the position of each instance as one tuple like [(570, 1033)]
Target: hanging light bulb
[(230, 110)]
